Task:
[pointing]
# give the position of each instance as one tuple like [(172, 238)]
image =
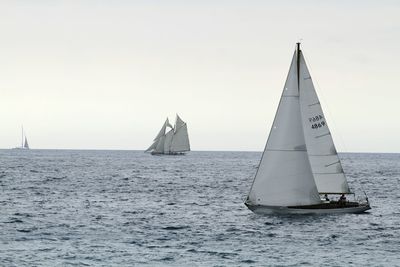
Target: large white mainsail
[(325, 163), (284, 176), (180, 140)]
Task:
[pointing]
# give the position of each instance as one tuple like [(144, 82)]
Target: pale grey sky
[(106, 74)]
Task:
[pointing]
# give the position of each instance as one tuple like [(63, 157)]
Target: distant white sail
[(174, 141), (284, 176), (26, 145), (160, 134), (163, 128), (325, 163), (160, 145), (178, 123), (180, 140), (24, 140), (153, 146), (168, 141)]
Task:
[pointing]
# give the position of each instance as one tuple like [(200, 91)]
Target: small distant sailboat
[(173, 142), (300, 161), (24, 142)]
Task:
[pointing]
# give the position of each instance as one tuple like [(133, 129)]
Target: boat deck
[(329, 205), (332, 207)]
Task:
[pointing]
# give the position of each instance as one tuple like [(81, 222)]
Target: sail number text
[(317, 122)]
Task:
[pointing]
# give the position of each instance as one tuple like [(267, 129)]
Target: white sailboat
[(300, 162), (173, 142), (24, 142)]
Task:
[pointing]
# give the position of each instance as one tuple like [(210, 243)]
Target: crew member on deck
[(326, 197), (342, 199)]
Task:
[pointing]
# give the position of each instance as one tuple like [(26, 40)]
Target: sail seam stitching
[(332, 164), (301, 150), (322, 135), (321, 155), (314, 104)]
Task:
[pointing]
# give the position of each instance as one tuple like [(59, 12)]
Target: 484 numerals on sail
[(317, 122)]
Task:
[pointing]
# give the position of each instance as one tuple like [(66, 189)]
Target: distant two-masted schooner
[(173, 142), (300, 162), (24, 142)]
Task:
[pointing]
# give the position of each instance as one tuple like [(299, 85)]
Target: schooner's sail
[(159, 140), (300, 161), (162, 131), (325, 162), (160, 145), (153, 146), (175, 141), (168, 141), (180, 141)]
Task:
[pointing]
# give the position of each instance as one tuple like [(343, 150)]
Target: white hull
[(21, 148), (268, 210)]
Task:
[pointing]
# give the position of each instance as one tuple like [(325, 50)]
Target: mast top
[(298, 65)]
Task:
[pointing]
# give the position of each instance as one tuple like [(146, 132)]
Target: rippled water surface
[(125, 208)]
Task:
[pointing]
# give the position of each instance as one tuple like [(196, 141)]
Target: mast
[(298, 65)]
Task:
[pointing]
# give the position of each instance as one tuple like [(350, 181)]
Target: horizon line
[(142, 150)]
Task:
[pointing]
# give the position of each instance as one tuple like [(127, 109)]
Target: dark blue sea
[(128, 208)]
